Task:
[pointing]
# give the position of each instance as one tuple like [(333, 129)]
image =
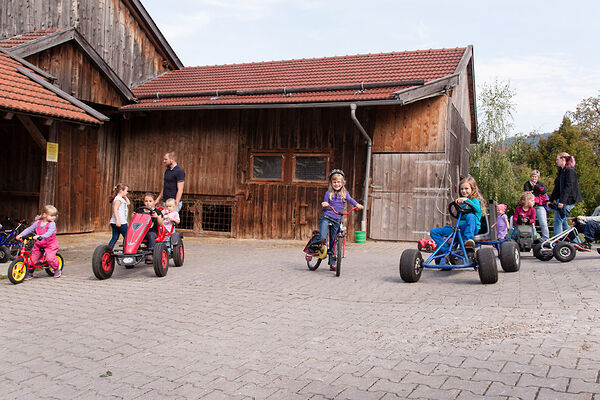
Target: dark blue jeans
[(325, 231), (116, 231)]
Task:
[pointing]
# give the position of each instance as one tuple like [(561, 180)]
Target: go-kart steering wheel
[(455, 209), (142, 208)]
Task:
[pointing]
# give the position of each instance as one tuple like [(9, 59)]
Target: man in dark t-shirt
[(173, 180)]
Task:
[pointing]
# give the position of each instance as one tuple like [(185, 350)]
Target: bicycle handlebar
[(343, 213)]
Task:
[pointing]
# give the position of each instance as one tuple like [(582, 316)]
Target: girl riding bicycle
[(335, 198), (47, 243)]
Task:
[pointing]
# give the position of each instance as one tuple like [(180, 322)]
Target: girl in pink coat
[(45, 230)]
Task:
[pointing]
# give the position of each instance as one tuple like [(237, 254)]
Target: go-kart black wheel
[(411, 265), (543, 253), (486, 266), (340, 254), (455, 209), (61, 264), (510, 256), (429, 248), (419, 247), (160, 259), (178, 254), (4, 254), (17, 271), (103, 262), (564, 251)]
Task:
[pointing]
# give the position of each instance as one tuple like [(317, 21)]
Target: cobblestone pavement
[(246, 319)]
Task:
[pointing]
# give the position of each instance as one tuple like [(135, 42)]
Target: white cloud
[(546, 86), (179, 26)]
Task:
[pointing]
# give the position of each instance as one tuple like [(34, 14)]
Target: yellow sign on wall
[(51, 152)]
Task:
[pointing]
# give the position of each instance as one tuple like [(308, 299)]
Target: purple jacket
[(338, 205)]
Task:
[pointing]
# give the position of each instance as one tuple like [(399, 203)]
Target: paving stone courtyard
[(245, 319)]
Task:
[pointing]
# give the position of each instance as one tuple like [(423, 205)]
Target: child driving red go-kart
[(147, 238)]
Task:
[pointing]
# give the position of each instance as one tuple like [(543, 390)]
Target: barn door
[(410, 195)]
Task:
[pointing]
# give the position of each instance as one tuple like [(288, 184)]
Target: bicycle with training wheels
[(315, 252)]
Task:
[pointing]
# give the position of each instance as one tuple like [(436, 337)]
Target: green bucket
[(360, 236)]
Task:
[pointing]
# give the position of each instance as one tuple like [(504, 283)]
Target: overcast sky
[(549, 50)]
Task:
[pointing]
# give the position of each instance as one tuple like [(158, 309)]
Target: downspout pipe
[(363, 222)]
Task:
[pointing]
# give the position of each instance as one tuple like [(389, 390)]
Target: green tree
[(587, 118), (490, 160)]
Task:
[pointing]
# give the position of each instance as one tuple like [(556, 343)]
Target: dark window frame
[(288, 165), (267, 154), (313, 155)]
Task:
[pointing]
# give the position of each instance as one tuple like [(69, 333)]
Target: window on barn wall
[(267, 167), (310, 167)]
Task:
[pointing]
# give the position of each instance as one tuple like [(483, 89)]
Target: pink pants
[(50, 249)]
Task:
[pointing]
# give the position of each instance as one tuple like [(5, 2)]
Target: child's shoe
[(57, 273), (28, 276), (470, 244), (332, 267)]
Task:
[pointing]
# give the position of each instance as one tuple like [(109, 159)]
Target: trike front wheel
[(313, 262), (17, 270)]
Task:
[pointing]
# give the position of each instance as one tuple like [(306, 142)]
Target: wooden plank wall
[(20, 163), (205, 143), (459, 145), (214, 149), (409, 195), (77, 76), (107, 25), (416, 127)]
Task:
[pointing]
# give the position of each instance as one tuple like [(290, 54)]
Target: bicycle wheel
[(340, 254)]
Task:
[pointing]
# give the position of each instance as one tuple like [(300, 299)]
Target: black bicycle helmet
[(337, 171)]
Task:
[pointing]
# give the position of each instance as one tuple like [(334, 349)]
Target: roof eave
[(466, 62), (431, 89)]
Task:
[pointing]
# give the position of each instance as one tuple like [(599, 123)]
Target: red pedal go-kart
[(135, 251), (427, 245)]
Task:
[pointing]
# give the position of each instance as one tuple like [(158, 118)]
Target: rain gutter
[(363, 222)]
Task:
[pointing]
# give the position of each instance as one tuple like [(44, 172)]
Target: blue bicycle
[(9, 246), (452, 254)]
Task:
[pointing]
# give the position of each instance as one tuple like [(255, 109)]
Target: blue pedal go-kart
[(481, 258), (9, 246)]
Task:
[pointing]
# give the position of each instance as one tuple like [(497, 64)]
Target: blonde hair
[(48, 209), (526, 198), (534, 172), (474, 192), (170, 202), (342, 192)]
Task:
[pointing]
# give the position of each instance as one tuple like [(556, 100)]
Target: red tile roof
[(18, 93), (427, 65), (26, 37)]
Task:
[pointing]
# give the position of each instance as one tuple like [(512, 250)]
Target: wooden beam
[(49, 170), (33, 130)]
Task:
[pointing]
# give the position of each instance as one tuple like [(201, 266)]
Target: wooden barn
[(94, 51), (256, 140)]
